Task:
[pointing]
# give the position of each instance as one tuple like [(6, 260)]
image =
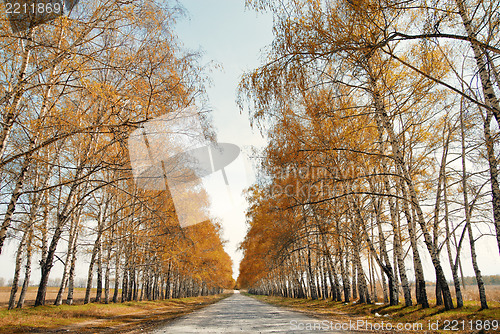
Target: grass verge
[(102, 318), (468, 319)]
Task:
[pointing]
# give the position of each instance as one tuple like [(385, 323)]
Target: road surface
[(242, 314)]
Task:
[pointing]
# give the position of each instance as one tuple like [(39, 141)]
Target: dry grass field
[(128, 317), (471, 293), (78, 295)]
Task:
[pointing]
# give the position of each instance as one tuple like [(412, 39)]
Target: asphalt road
[(242, 314)]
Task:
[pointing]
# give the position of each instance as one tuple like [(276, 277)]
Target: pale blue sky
[(233, 37)]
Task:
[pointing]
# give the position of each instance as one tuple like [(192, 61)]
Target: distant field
[(470, 293), (78, 295)]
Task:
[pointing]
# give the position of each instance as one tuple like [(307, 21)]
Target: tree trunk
[(125, 283), (310, 275), (491, 100), (354, 276), (71, 279), (67, 264), (345, 278), (117, 276), (107, 276), (439, 296), (17, 271), (27, 272), (49, 261), (479, 278), (398, 252), (11, 111), (364, 296), (98, 294), (488, 91), (456, 281), (493, 164), (91, 269), (31, 220), (420, 290), (11, 208), (395, 220)]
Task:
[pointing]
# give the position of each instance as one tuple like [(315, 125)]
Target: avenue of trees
[(71, 91), (382, 120)]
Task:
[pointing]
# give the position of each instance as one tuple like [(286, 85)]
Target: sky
[(233, 37)]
